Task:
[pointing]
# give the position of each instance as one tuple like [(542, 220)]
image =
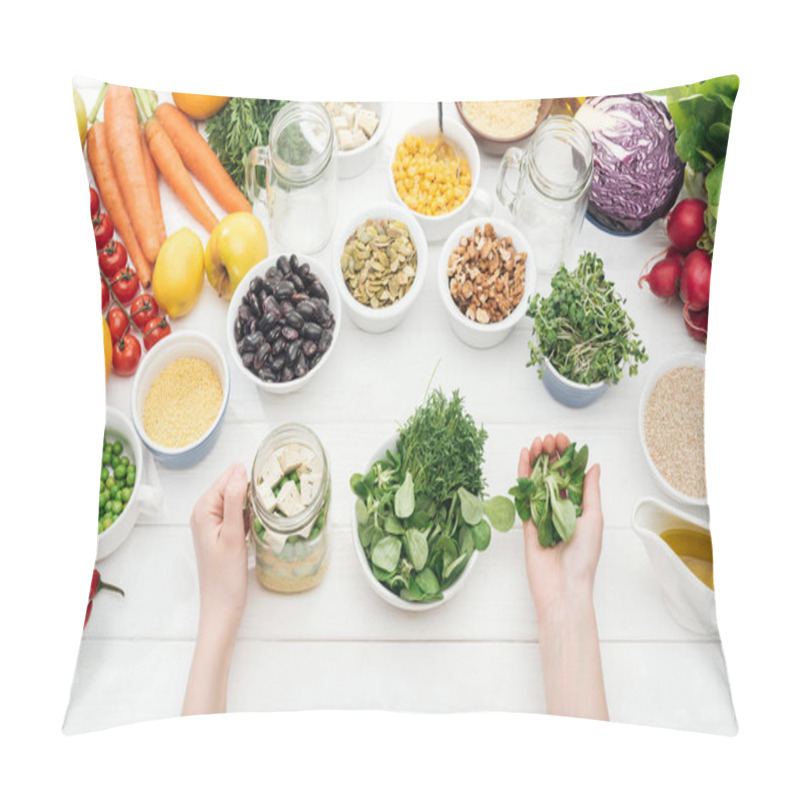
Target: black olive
[(238, 329), (247, 359), (311, 330), (324, 341), (283, 265), (266, 374), (257, 284), (275, 334), (276, 362), (294, 320), (301, 367), (292, 351), (261, 355), (279, 345), (309, 347), (287, 374), (284, 289), (294, 263), (306, 309), (318, 290), (290, 334)]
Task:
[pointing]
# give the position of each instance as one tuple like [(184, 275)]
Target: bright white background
[(53, 395)]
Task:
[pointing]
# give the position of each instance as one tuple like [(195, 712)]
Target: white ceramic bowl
[(571, 393), (351, 163), (182, 344), (470, 332), (143, 497), (334, 304), (379, 589), (437, 228), (680, 360), (379, 320)]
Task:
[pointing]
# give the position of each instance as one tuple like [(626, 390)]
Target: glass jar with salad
[(288, 507)]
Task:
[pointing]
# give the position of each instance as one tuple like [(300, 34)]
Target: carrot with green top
[(171, 167), (125, 146), (103, 171), (151, 173), (200, 159)]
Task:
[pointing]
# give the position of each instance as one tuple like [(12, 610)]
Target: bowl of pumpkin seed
[(380, 259)]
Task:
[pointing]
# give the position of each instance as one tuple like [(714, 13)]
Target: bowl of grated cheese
[(179, 398), (497, 125)]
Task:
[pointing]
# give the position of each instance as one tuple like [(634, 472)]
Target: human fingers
[(536, 449), (592, 506), (562, 442), (233, 503), (211, 501), (524, 466)]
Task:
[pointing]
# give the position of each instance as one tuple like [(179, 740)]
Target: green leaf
[(454, 565), (471, 507), (428, 582), (386, 553), (358, 486), (366, 534), (393, 525), (466, 544), (417, 548), (413, 593), (481, 534), (500, 511), (404, 499), (362, 515)]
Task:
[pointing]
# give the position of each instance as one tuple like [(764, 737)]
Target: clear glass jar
[(291, 552), (551, 179), (295, 177)]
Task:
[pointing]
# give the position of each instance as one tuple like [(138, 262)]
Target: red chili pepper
[(97, 585), (88, 613)]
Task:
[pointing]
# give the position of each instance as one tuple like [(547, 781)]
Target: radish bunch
[(684, 269)]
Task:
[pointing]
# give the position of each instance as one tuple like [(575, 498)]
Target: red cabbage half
[(637, 173)]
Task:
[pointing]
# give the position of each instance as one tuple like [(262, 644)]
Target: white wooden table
[(340, 646)]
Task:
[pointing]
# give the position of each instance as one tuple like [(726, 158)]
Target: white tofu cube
[(291, 457), (289, 499), (359, 138), (309, 484), (367, 121), (345, 137), (340, 122), (267, 496), (271, 472), (348, 111)]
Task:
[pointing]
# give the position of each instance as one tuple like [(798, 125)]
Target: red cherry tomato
[(94, 200), (155, 331), (117, 323), (112, 258), (125, 284), (142, 310), (125, 355), (103, 230), (105, 295)]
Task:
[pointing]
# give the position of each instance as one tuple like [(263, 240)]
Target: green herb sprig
[(553, 495), (420, 509), (582, 328)]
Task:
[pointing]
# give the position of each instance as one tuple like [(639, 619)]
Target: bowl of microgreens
[(421, 515), (582, 335)]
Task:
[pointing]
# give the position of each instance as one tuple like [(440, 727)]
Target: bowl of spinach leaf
[(421, 515)]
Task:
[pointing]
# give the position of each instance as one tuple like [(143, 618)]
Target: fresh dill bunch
[(442, 448)]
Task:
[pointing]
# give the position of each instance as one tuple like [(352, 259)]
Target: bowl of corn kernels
[(440, 193)]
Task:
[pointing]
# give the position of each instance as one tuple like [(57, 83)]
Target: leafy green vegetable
[(553, 495), (582, 327), (242, 124), (420, 509)]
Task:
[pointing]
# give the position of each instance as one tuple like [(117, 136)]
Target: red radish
[(686, 224), (696, 280), (663, 277), (696, 323)]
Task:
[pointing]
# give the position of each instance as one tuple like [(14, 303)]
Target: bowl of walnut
[(485, 273)]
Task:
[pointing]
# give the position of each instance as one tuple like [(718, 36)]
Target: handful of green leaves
[(420, 510), (582, 328), (553, 495)]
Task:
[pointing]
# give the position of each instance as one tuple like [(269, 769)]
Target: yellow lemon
[(178, 273), (80, 115), (107, 346), (199, 106), (237, 243)]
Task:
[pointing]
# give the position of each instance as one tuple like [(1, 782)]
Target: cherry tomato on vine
[(94, 200), (155, 331), (142, 310), (103, 230), (126, 354), (112, 258), (125, 284), (117, 323), (105, 295)]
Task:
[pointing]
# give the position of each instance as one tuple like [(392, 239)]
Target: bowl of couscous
[(500, 124), (180, 395), (439, 196)]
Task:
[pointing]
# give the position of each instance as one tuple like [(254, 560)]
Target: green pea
[(125, 494), (100, 527), (125, 461), (114, 461), (130, 479), (107, 522), (116, 448), (103, 474), (116, 507), (106, 457), (120, 472), (110, 482), (114, 493)]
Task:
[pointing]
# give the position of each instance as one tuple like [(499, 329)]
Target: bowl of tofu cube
[(359, 128)]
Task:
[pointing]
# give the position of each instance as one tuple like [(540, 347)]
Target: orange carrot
[(151, 173), (125, 146), (169, 164), (103, 170), (200, 159)]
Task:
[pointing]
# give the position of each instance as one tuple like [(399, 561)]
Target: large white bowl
[(379, 320), (351, 163), (438, 227), (680, 360), (470, 332), (379, 589), (182, 344), (144, 498), (334, 304)]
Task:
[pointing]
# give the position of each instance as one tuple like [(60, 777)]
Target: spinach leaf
[(417, 548), (404, 499), (481, 534), (428, 582), (500, 513), (386, 553), (471, 507)]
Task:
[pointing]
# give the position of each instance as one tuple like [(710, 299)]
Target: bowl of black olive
[(283, 321)]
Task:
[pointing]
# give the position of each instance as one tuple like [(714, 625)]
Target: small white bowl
[(182, 344), (380, 320), (351, 163), (476, 334), (437, 227), (680, 360), (379, 589), (571, 393), (143, 497), (334, 303)]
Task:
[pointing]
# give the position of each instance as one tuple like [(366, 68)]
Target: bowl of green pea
[(123, 494)]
